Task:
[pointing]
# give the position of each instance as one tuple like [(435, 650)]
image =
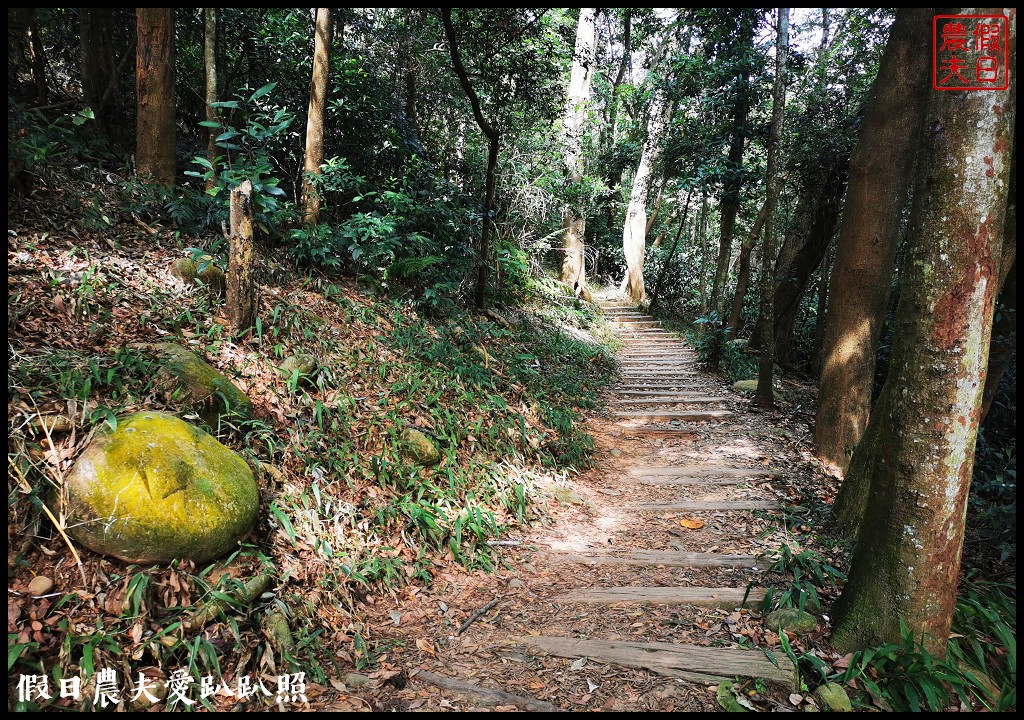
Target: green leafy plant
[(794, 577)]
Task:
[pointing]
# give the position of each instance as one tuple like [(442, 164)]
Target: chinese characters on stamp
[(970, 52)]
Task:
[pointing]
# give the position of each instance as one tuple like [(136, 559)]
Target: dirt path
[(630, 599)]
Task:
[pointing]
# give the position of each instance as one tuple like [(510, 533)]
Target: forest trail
[(632, 598)]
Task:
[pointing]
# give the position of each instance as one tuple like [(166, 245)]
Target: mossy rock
[(419, 448), (792, 620), (833, 697), (187, 270), (189, 380), (158, 489), (302, 363), (749, 387)]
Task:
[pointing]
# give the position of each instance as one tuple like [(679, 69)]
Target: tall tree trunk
[(918, 451), (315, 116), (624, 62), (765, 394), (38, 57), (574, 223), (821, 315), (492, 154), (634, 229), (705, 254), (99, 73), (210, 76), (880, 173), (743, 272), (154, 81)]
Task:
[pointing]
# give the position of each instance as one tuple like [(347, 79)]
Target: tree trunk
[(210, 67), (918, 452), (634, 229), (574, 223), (38, 57), (492, 154), (743, 273), (821, 315), (315, 116), (624, 62), (241, 281), (154, 79), (100, 81), (1004, 340), (765, 394), (880, 172)]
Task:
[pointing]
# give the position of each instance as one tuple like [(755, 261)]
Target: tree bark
[(315, 116), (241, 281), (574, 223), (765, 396), (821, 316), (154, 78), (880, 173), (918, 452), (634, 229), (100, 82), (743, 272), (38, 57), (210, 76), (1004, 340), (492, 154)]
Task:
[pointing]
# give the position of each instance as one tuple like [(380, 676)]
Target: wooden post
[(241, 293)]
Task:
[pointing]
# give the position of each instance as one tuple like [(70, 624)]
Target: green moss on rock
[(792, 620), (419, 448), (187, 270), (187, 379), (158, 489), (750, 387)]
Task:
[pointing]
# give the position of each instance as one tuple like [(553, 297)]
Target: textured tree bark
[(634, 230), (210, 76), (880, 173), (154, 82), (918, 452), (574, 223), (100, 84), (315, 116), (765, 396), (743, 273), (493, 138), (241, 281), (38, 57)]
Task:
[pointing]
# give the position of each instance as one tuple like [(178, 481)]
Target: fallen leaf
[(426, 646), (692, 523)]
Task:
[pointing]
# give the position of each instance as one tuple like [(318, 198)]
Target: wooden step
[(670, 481), (669, 558), (705, 506), (692, 415), (691, 662), (657, 392), (727, 598), (678, 400), (700, 471)]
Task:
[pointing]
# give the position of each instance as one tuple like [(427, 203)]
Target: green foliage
[(793, 578)]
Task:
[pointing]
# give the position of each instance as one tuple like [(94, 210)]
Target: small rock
[(515, 583), (40, 585), (187, 270), (356, 680), (750, 387), (302, 363), (528, 567), (792, 620), (834, 697), (616, 452), (419, 448)]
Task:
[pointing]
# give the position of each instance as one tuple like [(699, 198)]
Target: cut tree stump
[(726, 598), (668, 558), (691, 662), (241, 280)]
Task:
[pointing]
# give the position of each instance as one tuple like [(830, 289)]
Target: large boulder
[(188, 381), (188, 271), (157, 489)]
